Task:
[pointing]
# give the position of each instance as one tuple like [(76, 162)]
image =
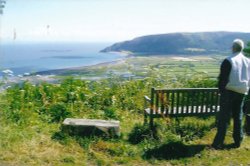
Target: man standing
[(234, 83)]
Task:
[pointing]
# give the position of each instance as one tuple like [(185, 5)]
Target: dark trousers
[(247, 124), (231, 105), (246, 110)]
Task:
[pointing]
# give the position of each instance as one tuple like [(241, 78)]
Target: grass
[(33, 144), (31, 117)]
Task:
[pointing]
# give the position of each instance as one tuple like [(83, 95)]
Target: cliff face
[(180, 43)]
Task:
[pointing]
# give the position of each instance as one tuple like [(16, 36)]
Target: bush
[(140, 133), (110, 113), (58, 112), (192, 127)]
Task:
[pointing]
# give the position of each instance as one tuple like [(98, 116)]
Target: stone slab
[(110, 127)]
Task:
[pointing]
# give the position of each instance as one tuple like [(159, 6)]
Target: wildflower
[(113, 99)]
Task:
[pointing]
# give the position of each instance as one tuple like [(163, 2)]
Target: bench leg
[(145, 118), (151, 122), (247, 124)]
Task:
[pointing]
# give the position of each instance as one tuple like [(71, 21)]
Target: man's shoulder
[(227, 60), (236, 57), (226, 64)]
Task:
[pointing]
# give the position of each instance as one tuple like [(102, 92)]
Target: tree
[(247, 50), (247, 101), (2, 3)]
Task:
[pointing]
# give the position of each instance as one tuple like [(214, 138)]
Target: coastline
[(98, 65), (124, 53), (53, 76)]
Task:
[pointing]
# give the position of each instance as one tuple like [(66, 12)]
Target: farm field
[(152, 66)]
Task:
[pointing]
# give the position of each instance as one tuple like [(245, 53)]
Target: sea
[(23, 58)]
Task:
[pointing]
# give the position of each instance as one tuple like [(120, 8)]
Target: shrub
[(58, 112), (110, 113), (140, 133), (191, 128)]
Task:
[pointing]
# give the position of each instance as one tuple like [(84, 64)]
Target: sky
[(117, 20)]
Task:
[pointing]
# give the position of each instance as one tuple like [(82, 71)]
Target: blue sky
[(118, 20)]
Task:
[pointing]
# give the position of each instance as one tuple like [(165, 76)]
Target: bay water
[(34, 57)]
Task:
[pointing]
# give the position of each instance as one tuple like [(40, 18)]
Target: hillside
[(180, 43), (31, 117)]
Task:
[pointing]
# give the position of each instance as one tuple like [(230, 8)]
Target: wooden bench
[(181, 102)]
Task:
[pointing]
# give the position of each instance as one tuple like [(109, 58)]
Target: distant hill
[(180, 43)]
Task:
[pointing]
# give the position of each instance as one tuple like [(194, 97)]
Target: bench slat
[(201, 100), (152, 102), (172, 102), (168, 100), (192, 102), (188, 100), (211, 111), (183, 101), (157, 100), (177, 101), (171, 90)]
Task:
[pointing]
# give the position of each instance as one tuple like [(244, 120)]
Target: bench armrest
[(147, 100)]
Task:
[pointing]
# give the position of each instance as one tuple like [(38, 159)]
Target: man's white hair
[(239, 42)]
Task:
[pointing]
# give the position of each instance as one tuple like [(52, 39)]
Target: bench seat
[(199, 111)]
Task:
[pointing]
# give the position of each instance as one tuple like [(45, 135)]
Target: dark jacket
[(223, 78)]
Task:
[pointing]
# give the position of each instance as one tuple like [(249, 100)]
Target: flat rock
[(89, 126)]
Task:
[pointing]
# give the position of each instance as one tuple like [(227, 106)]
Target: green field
[(152, 66)]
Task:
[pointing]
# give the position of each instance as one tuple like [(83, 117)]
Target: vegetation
[(180, 43), (247, 49), (31, 117)]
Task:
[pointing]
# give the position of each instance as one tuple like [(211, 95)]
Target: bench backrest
[(184, 101)]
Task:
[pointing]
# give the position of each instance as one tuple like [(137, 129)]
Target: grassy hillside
[(180, 43), (31, 117)]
